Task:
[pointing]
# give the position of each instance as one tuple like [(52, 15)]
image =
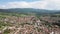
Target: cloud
[(15, 5), (43, 4), (22, 4), (53, 4), (39, 4)]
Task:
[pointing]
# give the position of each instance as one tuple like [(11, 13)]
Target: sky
[(36, 4)]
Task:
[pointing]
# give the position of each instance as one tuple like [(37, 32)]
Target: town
[(29, 24)]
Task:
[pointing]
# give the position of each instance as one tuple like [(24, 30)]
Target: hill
[(30, 10)]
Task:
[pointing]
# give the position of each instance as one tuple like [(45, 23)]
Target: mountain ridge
[(30, 10)]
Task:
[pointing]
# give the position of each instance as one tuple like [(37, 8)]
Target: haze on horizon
[(38, 4)]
